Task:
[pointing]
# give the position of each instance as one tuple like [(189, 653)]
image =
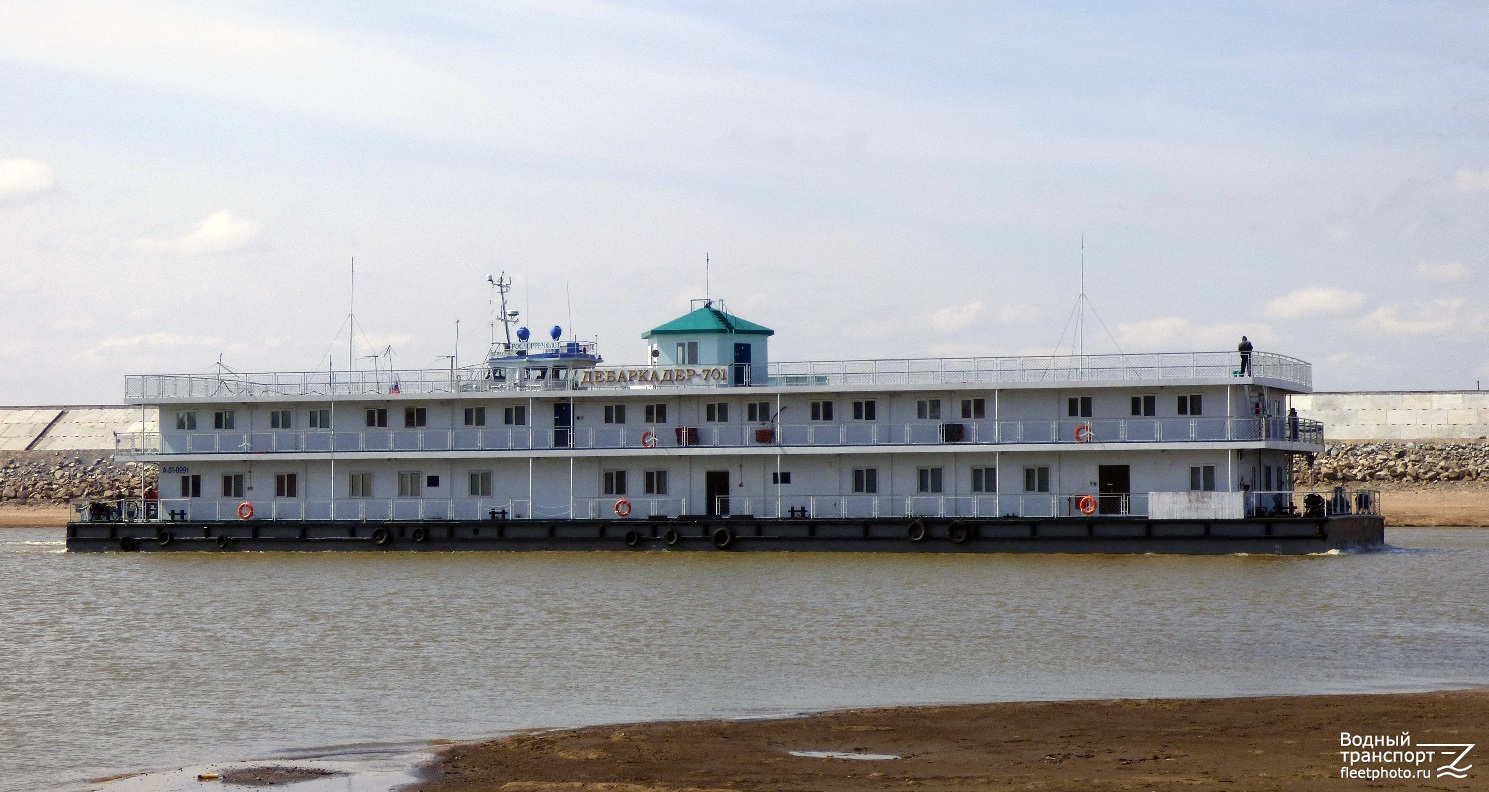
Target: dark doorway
[(716, 493), (1114, 482), (741, 374), (563, 421)]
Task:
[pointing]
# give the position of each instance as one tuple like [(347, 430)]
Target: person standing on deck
[(1245, 349)]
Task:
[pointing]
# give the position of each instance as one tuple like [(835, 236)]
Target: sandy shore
[(14, 515), (1275, 743)]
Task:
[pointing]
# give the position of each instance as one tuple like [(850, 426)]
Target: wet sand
[(1274, 743)]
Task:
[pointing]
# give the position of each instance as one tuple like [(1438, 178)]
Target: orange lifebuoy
[(245, 510), (623, 508), (1086, 504), (1083, 434), (649, 439)]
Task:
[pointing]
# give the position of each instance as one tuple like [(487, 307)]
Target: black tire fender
[(916, 531), (632, 538), (958, 532), (127, 543), (722, 538), (382, 537), (671, 537), (421, 534), (164, 538)]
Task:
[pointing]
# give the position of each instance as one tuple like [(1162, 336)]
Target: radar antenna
[(501, 284)]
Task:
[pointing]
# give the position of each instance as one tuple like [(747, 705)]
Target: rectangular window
[(516, 415), (320, 419), (1190, 405), (475, 416), (780, 477), (866, 480), (758, 412), (928, 409), (1145, 405), (1202, 478), (654, 482), (359, 485), (431, 482), (718, 412), (377, 417), (613, 482), (864, 410), (821, 411), (191, 486), (687, 353), (414, 416), (232, 485), (656, 413), (1267, 478), (1079, 407), (1037, 479), (223, 419), (930, 480), (974, 408), (984, 479), (615, 413), (410, 484), (186, 421), (480, 483), (281, 419), (286, 485)]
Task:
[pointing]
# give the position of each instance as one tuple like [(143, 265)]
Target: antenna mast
[(1080, 319), (351, 319), (502, 284), (706, 294)]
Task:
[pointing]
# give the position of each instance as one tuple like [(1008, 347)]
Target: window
[(1079, 407), (431, 482), (654, 482), (414, 416), (222, 419), (717, 412), (822, 411), (1202, 478), (475, 416), (930, 480), (864, 410), (359, 485), (974, 408), (320, 419), (984, 479), (866, 480), (928, 409), (687, 353), (281, 419), (377, 416), (410, 484), (1190, 405), (480, 483), (758, 412), (613, 482), (1145, 405), (232, 485), (186, 421), (1267, 478), (286, 485), (780, 477), (516, 415), (1037, 479), (656, 413), (615, 413), (191, 486)]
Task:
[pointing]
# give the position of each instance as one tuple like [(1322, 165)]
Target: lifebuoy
[(671, 536), (723, 538), (381, 537), (1086, 504), (1083, 434), (632, 538), (917, 531), (648, 439), (958, 532), (245, 510), (622, 508), (421, 534)]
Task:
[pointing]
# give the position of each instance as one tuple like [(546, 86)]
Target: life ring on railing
[(622, 508), (648, 439), (1086, 504), (245, 510), (1083, 434)]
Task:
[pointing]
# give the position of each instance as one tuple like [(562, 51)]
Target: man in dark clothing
[(1245, 350)]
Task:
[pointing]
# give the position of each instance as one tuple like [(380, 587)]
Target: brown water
[(118, 662)]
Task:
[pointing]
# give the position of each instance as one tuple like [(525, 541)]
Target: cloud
[(1470, 180), (1443, 272), (219, 233), (1434, 318), (1171, 331), (1314, 301), (957, 317), (21, 177)]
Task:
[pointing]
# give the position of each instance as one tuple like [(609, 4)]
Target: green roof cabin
[(708, 336)]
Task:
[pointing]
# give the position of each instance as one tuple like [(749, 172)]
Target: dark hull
[(940, 535)]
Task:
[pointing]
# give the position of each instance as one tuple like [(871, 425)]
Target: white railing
[(1312, 503)]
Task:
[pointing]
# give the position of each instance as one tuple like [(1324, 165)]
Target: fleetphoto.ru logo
[(1393, 756)]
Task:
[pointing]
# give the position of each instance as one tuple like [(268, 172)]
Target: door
[(563, 421), (741, 364), (1114, 483), (716, 493)]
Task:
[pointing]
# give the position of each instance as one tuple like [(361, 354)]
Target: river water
[(116, 662)]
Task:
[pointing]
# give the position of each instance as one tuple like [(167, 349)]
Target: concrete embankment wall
[(71, 428), (63, 453), (1398, 415)]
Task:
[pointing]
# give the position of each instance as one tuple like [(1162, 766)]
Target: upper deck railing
[(991, 371)]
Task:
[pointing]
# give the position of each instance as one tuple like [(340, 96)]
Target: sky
[(188, 184)]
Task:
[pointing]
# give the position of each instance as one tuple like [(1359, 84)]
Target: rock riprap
[(38, 477), (1394, 462)]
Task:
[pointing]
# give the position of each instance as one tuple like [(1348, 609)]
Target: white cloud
[(1444, 272), (219, 233), (957, 317), (1314, 301), (1470, 180), (1179, 333), (1434, 318), (20, 177)]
